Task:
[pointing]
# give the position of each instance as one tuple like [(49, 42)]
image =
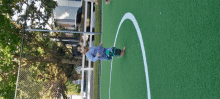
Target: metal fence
[(89, 68), (33, 85), (40, 78)]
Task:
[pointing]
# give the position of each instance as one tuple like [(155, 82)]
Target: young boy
[(99, 52)]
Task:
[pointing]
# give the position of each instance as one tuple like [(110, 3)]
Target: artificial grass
[(181, 40)]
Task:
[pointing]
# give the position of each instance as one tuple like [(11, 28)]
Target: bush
[(72, 89)]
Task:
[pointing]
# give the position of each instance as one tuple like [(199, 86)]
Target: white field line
[(131, 17)]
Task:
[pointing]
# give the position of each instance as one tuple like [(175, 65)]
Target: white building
[(65, 12)]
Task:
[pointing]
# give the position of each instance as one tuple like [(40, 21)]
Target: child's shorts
[(112, 52)]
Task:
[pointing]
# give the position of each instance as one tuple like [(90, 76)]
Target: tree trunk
[(37, 59), (51, 60), (78, 62), (15, 24)]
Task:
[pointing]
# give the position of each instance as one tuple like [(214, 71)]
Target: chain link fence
[(41, 81), (47, 68)]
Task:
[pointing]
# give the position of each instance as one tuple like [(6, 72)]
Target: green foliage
[(36, 75), (11, 6), (8, 33), (42, 81), (7, 6), (49, 6), (29, 86), (9, 43), (35, 14), (72, 88)]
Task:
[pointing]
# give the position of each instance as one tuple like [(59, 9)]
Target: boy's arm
[(95, 59), (91, 57)]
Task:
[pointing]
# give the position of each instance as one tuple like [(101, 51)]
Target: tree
[(8, 46), (34, 13), (38, 49), (38, 15)]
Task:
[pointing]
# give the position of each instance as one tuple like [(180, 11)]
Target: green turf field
[(182, 44)]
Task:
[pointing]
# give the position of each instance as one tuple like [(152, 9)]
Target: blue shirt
[(92, 53)]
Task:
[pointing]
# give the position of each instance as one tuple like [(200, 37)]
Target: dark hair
[(76, 52), (78, 46)]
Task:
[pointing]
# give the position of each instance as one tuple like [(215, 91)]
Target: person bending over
[(101, 53)]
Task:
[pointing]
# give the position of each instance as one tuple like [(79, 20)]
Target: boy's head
[(82, 49)]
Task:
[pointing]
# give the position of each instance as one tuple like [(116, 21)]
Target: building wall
[(70, 3), (65, 12)]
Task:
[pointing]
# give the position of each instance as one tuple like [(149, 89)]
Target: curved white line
[(131, 17)]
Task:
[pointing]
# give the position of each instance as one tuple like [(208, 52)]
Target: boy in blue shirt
[(99, 52)]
